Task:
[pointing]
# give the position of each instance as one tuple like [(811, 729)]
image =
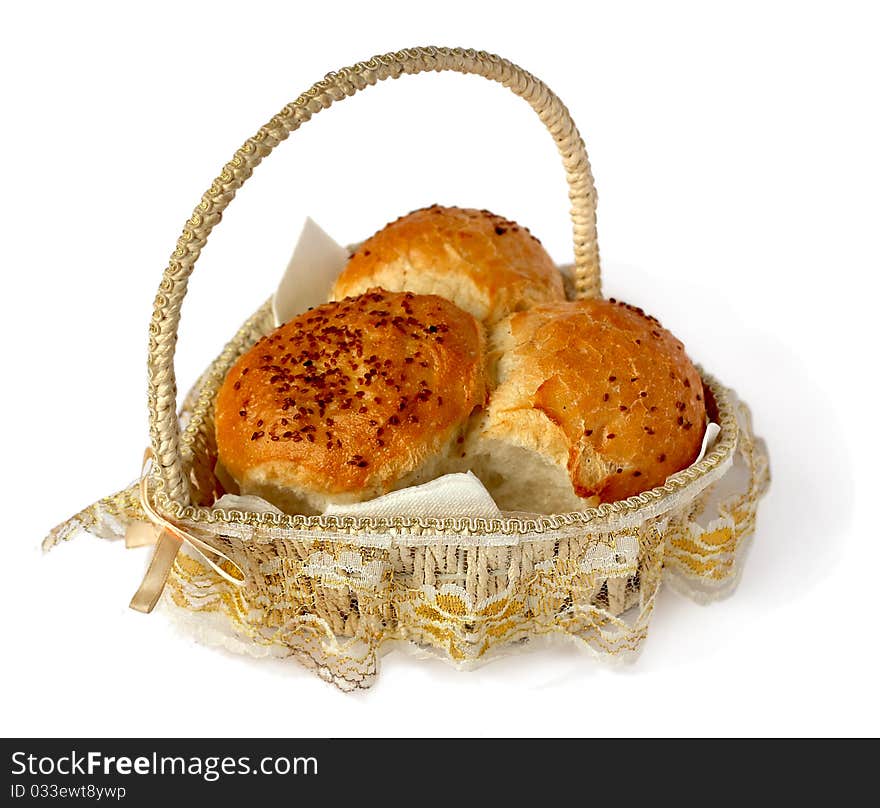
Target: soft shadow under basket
[(333, 592)]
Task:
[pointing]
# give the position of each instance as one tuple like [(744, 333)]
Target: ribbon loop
[(147, 596), (170, 541)]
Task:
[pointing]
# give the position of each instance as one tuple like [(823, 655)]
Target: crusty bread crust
[(599, 388), (345, 401), (487, 265)]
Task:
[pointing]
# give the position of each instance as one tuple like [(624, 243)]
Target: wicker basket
[(334, 590)]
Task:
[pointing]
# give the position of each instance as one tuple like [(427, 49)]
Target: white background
[(735, 153)]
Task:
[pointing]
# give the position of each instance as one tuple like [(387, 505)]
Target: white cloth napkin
[(314, 265), (245, 502), (452, 495), (709, 437), (448, 496)]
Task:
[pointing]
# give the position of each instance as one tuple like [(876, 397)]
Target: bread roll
[(350, 400), (485, 264), (595, 402)]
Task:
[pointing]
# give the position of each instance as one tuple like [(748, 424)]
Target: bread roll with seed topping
[(595, 402), (487, 265), (350, 400)]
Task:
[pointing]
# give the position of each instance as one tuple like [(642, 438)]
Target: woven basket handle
[(164, 427)]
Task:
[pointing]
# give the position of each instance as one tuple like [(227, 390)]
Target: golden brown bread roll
[(485, 264), (595, 402), (350, 400)]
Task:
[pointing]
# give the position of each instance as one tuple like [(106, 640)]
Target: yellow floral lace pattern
[(333, 605), (706, 545)]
